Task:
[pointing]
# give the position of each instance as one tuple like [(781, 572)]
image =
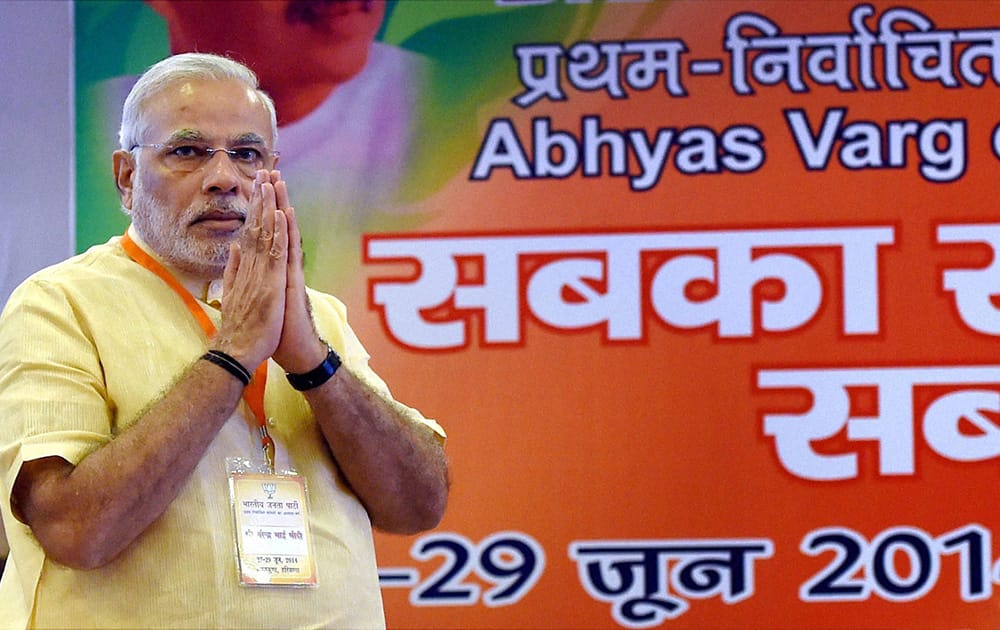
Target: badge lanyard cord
[(253, 394)]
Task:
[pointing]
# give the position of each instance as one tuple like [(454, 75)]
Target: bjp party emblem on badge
[(269, 488)]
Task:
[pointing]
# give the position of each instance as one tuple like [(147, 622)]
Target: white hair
[(176, 69)]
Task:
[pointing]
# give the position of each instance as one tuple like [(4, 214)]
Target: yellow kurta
[(85, 346)]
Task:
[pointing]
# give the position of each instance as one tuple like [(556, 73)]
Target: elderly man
[(143, 382)]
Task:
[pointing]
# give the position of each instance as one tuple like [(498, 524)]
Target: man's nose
[(221, 175)]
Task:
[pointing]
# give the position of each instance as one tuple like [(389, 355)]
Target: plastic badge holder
[(271, 526)]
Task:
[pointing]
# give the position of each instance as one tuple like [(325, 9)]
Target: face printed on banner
[(189, 204), (296, 40)]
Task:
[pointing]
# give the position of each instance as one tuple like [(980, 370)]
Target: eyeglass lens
[(190, 158)]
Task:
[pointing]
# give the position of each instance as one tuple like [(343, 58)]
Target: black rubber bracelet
[(318, 375), (229, 364)]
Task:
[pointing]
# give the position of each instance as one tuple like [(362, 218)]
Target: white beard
[(167, 234)]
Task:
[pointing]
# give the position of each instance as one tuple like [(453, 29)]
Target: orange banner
[(705, 296)]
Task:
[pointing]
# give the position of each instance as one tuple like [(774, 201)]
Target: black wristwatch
[(318, 375)]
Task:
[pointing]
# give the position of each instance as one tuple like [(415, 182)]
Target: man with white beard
[(157, 389)]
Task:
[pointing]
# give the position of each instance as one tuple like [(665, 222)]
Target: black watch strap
[(318, 375)]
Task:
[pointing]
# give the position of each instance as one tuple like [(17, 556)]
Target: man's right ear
[(124, 167)]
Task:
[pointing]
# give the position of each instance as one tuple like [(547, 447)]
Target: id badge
[(271, 517)]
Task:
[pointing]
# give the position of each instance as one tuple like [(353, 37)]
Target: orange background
[(570, 437)]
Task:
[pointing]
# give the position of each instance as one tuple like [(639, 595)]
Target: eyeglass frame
[(210, 153)]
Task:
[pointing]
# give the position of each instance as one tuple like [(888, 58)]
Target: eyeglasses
[(185, 158)]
